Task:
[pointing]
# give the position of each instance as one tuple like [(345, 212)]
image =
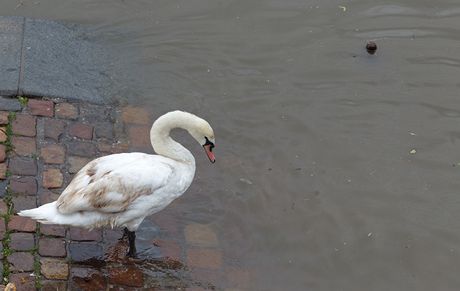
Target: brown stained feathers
[(91, 171), (98, 190)]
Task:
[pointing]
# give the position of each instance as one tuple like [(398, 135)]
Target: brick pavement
[(42, 145)]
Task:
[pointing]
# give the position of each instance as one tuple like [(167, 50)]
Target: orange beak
[(209, 153)]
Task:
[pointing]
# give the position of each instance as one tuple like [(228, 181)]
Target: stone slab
[(11, 32), (60, 60), (8, 104)]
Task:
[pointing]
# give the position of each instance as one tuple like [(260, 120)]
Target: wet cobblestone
[(52, 140)]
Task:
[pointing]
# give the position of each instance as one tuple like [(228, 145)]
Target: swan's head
[(196, 126), (204, 135)]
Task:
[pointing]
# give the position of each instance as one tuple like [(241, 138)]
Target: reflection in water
[(320, 128), (149, 270)]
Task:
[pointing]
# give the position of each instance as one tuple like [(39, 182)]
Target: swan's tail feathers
[(46, 214)]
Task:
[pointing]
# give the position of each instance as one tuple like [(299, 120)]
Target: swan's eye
[(210, 143)]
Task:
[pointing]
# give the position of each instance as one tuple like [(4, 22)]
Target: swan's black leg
[(132, 242)]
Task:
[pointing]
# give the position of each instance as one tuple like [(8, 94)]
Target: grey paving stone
[(11, 31), (9, 104), (61, 60)]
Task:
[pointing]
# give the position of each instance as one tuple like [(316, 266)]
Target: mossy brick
[(21, 261), (24, 124), (24, 146)]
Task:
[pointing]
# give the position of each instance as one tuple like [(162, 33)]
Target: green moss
[(7, 238), (23, 101), (9, 203), (9, 132), (38, 282)]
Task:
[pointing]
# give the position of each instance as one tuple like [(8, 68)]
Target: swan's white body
[(122, 189)]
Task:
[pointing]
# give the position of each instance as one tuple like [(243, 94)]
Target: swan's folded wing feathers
[(97, 187)]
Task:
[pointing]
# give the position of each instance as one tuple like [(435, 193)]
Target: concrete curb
[(54, 59), (11, 31)]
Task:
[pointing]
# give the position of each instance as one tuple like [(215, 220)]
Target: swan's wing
[(109, 184)]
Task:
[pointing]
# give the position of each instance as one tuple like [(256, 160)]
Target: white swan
[(122, 189)]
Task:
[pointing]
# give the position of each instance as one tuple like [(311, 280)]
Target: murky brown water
[(315, 186)]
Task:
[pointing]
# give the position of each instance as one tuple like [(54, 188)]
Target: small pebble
[(371, 47)]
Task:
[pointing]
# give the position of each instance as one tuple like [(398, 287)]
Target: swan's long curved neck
[(161, 140)]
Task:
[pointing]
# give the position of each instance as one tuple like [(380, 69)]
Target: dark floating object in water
[(371, 47)]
